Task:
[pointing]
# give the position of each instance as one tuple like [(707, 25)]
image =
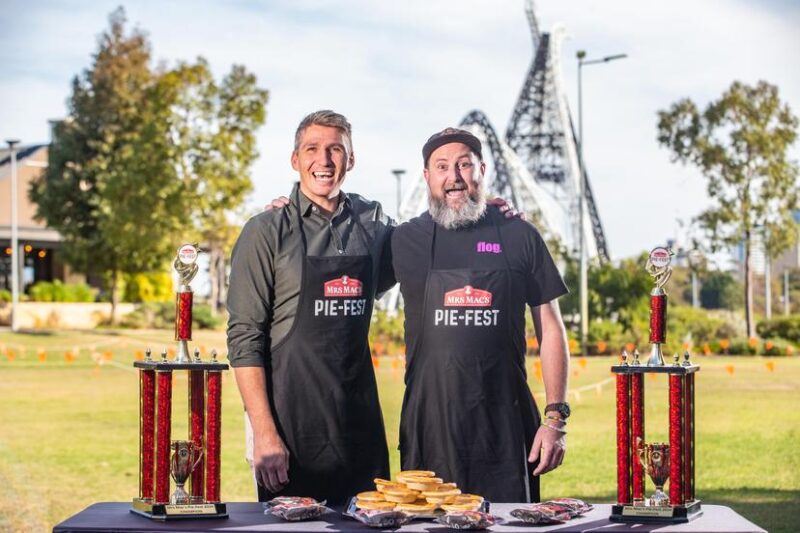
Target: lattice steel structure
[(536, 165)]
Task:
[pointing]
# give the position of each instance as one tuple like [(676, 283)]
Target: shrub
[(744, 346), (56, 291), (606, 337), (787, 327), (148, 287), (778, 347), (5, 296), (161, 315)]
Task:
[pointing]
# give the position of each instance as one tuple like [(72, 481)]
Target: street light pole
[(398, 174), (14, 237), (584, 265)]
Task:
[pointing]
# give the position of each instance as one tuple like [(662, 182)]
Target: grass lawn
[(69, 428)]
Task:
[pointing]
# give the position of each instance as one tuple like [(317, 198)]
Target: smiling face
[(455, 185), (322, 158)]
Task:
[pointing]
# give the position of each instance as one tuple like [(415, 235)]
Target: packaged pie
[(296, 512), (575, 505), (290, 499), (543, 513), (381, 519), (467, 520)]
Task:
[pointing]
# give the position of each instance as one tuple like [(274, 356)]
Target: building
[(39, 246)]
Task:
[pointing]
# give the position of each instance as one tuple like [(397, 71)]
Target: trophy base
[(167, 511), (641, 514)]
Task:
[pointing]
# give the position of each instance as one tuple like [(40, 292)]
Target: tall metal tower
[(536, 165)]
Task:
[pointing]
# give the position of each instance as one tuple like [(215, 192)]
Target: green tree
[(148, 159), (213, 126), (110, 189), (720, 290), (740, 144)]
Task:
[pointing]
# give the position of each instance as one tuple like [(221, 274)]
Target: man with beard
[(466, 274)]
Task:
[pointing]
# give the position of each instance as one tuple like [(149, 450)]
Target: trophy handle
[(199, 456), (641, 451)]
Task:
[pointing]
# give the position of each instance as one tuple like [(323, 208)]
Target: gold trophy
[(185, 459), (655, 459)]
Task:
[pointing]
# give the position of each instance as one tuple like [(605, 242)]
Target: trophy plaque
[(196, 460), (664, 463)]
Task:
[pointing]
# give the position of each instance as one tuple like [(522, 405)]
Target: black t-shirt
[(476, 247)]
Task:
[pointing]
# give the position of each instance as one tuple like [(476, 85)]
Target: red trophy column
[(164, 427), (147, 429), (637, 433), (624, 448), (213, 413), (183, 315), (676, 429), (196, 427), (688, 439)]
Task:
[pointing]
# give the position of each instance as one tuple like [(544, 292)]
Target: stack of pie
[(417, 492)]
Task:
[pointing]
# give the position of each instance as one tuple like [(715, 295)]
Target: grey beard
[(451, 218)]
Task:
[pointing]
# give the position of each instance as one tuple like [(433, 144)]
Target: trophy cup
[(196, 460), (655, 459), (185, 458), (662, 462)]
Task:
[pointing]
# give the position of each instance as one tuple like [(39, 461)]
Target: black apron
[(467, 413), (321, 382)]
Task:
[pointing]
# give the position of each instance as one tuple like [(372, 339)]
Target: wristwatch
[(562, 408)]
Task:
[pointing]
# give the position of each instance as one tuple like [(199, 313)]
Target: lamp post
[(584, 271), (398, 174), (14, 235)]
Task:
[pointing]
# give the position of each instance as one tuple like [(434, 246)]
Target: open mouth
[(457, 190), (323, 176)]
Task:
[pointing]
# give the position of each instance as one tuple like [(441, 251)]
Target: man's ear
[(483, 168), (425, 173), (351, 160), (294, 159)]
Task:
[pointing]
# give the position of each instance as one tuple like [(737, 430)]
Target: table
[(249, 517)]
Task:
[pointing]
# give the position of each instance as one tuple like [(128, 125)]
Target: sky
[(403, 70)]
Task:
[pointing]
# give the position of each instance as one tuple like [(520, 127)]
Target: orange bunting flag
[(752, 342), (573, 346), (706, 349), (601, 346), (539, 374), (532, 343), (789, 350), (139, 355), (769, 345), (107, 356), (171, 353), (68, 357), (687, 346), (375, 362), (203, 349), (582, 363), (730, 369), (11, 355), (629, 346), (724, 344), (651, 376), (42, 355), (770, 366)]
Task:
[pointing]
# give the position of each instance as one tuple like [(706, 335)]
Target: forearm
[(554, 351), (252, 384)]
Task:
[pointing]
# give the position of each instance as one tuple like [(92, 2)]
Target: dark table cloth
[(245, 517)]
